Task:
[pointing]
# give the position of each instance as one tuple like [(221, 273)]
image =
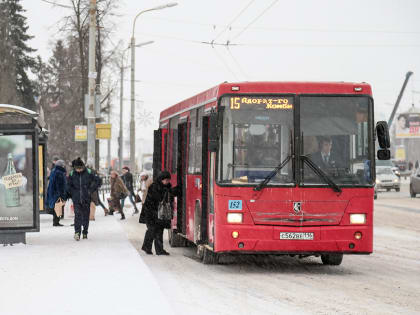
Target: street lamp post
[(133, 93), (121, 135)]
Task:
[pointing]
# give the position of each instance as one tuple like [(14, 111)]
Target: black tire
[(332, 259), (176, 240), (388, 189), (210, 257), (397, 189), (412, 193)]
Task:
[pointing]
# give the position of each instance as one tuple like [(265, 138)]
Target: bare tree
[(64, 98)]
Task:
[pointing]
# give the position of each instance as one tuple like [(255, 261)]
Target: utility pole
[(132, 119), (109, 140), (91, 112), (397, 103), (121, 137)]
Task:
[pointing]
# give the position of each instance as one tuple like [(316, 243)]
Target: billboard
[(407, 126), (16, 181)]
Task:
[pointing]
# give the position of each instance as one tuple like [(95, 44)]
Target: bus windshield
[(336, 138), (256, 138)]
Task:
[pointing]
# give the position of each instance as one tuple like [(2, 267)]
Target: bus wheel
[(176, 240), (209, 257), (332, 259)]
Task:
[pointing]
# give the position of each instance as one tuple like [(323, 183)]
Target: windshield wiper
[(321, 173), (272, 174)]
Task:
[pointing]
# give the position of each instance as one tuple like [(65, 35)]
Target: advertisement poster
[(80, 133), (408, 126), (41, 177), (16, 181)]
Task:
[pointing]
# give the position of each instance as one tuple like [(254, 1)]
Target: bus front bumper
[(355, 239)]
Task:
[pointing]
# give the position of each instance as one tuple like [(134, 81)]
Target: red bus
[(251, 159)]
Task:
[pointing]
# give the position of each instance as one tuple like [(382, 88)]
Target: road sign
[(80, 133), (103, 131)]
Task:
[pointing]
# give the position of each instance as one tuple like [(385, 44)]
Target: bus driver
[(324, 158)]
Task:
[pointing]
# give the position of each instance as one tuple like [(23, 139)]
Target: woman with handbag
[(159, 197), (145, 182), (56, 191), (118, 192)]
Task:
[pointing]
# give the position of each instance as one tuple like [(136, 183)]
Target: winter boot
[(85, 236), (77, 236), (122, 216)]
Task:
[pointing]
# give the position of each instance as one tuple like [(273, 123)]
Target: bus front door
[(182, 178)]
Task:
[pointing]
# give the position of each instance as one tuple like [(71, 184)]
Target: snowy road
[(386, 282)]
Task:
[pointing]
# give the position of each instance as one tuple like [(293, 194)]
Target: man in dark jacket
[(127, 179), (80, 186), (56, 189), (155, 226)]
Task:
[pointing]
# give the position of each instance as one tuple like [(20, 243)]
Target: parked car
[(386, 179), (388, 163), (415, 183), (402, 167)]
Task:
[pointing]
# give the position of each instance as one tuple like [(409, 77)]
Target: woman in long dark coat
[(56, 189), (155, 226)]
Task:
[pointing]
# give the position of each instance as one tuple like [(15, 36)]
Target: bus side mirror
[(382, 133), (213, 134), (384, 154)]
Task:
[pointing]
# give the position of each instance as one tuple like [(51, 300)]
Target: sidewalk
[(54, 274)]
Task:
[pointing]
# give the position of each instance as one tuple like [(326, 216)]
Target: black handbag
[(165, 209), (142, 218), (123, 195)]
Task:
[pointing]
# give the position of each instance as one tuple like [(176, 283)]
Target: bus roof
[(209, 97)]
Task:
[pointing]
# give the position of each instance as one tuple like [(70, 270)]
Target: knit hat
[(126, 168), (78, 163), (164, 175), (60, 163)]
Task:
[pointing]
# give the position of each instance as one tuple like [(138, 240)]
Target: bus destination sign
[(260, 102)]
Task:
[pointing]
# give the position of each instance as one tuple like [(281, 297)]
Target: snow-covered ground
[(54, 274)]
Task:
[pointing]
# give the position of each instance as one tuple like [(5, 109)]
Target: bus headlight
[(234, 217), (357, 218)]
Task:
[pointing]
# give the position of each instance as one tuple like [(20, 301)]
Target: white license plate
[(296, 236)]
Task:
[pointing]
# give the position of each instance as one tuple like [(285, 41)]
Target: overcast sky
[(374, 41)]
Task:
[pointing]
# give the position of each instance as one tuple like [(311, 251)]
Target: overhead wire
[(287, 29), (223, 61), (254, 20), (236, 62), (234, 19), (278, 44)]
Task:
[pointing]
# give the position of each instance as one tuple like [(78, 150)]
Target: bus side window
[(165, 153), (198, 140), (173, 125), (191, 144)]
